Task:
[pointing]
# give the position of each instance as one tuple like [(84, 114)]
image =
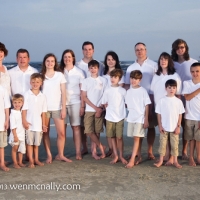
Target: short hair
[(87, 43), (196, 64), (62, 64), (37, 75), (116, 72), (136, 74), (18, 97), (175, 45), (3, 48), (140, 43), (170, 82), (22, 51), (93, 63)]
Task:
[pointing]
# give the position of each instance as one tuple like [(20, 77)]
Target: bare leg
[(37, 162), (191, 158), (30, 155), (115, 154), (185, 145), (120, 147), (150, 140), (139, 159), (20, 158), (14, 156), (84, 141), (198, 152), (110, 151), (94, 148), (77, 141), (160, 162), (2, 164)]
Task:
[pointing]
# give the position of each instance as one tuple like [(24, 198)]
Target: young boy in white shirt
[(191, 92), (137, 101), (113, 100), (33, 112), (169, 111), (17, 134), (4, 124), (92, 92)]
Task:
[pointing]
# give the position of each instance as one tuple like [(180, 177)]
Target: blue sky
[(44, 26)]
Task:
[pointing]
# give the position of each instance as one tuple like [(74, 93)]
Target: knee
[(61, 135)]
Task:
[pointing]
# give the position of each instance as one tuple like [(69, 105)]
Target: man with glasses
[(148, 68)]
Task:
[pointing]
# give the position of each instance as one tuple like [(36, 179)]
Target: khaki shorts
[(3, 139), (135, 130), (21, 144), (114, 129), (174, 141), (192, 131), (93, 124), (33, 137), (55, 114), (73, 112)]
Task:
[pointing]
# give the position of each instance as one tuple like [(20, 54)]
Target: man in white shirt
[(20, 75), (148, 68)]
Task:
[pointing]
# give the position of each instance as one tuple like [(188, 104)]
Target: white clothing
[(148, 69), (95, 88), (20, 81), (109, 81), (84, 67), (114, 97), (35, 106), (16, 122), (4, 103), (136, 100), (183, 69), (52, 90), (74, 78), (158, 85), (192, 110), (5, 80), (169, 108)]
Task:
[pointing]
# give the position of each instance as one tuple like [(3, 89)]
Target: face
[(36, 83), (195, 72), (88, 51), (50, 62), (163, 62), (110, 62), (134, 82), (181, 49), (22, 60), (140, 51), (171, 90), (17, 104), (68, 59), (114, 80), (94, 70), (1, 55)]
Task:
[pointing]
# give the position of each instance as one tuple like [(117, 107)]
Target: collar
[(28, 69)]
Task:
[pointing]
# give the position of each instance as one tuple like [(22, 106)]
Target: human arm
[(161, 129), (177, 129), (151, 106), (190, 96), (63, 100), (15, 135), (146, 114), (24, 121), (6, 124), (82, 110)]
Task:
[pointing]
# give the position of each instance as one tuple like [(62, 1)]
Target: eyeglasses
[(180, 47)]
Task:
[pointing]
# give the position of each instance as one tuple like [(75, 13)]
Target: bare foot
[(62, 158), (39, 163), (96, 157), (31, 166), (168, 163), (16, 166), (84, 152), (4, 168), (103, 155), (128, 157), (109, 153), (49, 160), (115, 160), (6, 163), (184, 156), (78, 157), (138, 161), (192, 163), (158, 164), (124, 161), (177, 165), (112, 155), (151, 156), (21, 164), (129, 165)]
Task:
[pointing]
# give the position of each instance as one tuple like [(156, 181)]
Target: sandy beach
[(91, 179)]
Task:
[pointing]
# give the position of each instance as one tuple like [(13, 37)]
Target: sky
[(44, 26)]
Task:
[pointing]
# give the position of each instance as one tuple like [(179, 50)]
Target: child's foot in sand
[(6, 163), (96, 157), (184, 156), (151, 156), (109, 153), (78, 157), (138, 161), (123, 160), (31, 166), (16, 166), (21, 164), (192, 163), (39, 163), (130, 165), (158, 164), (115, 160), (49, 160), (4, 168), (62, 158), (177, 165)]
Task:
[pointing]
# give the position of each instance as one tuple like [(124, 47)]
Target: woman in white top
[(55, 90), (4, 76), (74, 109)]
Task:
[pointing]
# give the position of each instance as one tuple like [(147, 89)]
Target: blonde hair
[(18, 97)]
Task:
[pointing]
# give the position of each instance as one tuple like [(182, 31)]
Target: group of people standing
[(88, 92)]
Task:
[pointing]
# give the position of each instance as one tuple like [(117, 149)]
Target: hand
[(106, 105), (44, 128), (63, 113), (177, 131), (82, 111), (16, 139), (26, 124), (146, 124), (98, 112), (161, 129), (6, 125)]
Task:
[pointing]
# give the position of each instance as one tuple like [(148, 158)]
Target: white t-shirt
[(16, 122), (148, 69), (192, 110), (183, 69), (109, 81), (95, 88), (158, 85), (74, 78), (52, 90), (84, 67), (35, 106), (114, 97), (5, 80), (169, 108), (136, 100), (4, 103), (20, 81)]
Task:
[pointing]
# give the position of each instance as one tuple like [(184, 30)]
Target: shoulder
[(78, 70), (131, 67), (151, 63), (193, 60), (12, 70), (32, 69)]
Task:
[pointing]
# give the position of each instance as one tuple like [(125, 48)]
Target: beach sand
[(99, 179)]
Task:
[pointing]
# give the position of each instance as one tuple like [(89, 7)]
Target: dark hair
[(56, 67), (136, 74), (170, 82), (37, 75), (17, 97), (170, 68), (22, 51), (93, 63), (3, 48), (116, 72), (196, 64), (115, 57), (175, 45), (62, 64), (87, 43), (140, 43)]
